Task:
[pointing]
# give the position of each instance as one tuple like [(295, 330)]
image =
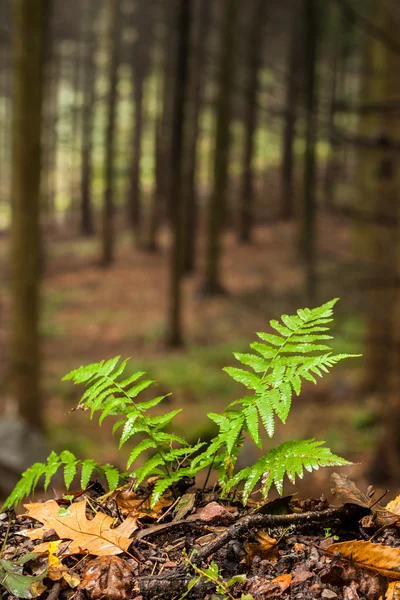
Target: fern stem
[(209, 471)]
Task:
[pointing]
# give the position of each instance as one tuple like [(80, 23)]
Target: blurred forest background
[(175, 173)]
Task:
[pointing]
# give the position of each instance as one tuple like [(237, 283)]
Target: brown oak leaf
[(96, 536), (374, 558)]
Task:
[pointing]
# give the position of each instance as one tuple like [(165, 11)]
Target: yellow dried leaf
[(298, 547), (375, 558), (129, 503), (394, 506), (266, 547), (95, 536)]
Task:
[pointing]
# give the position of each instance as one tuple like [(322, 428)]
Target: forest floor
[(90, 314)]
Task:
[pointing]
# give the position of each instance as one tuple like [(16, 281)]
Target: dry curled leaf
[(345, 490), (374, 558), (283, 581), (393, 591), (394, 506), (108, 577), (266, 547), (95, 536), (56, 570), (128, 502)]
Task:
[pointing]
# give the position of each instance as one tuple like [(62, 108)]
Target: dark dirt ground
[(281, 551)]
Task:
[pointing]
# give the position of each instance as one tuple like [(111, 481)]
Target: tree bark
[(253, 68), (289, 129), (28, 41), (216, 211), (113, 19), (89, 96), (194, 106), (134, 200), (176, 200), (307, 225)]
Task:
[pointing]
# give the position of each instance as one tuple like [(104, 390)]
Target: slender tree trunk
[(308, 232), (194, 105), (254, 64), (163, 169), (154, 211), (174, 334), (89, 96), (379, 172), (134, 194), (289, 129), (212, 283), (113, 19), (28, 39), (332, 165)]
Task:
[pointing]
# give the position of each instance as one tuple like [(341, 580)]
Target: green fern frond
[(290, 458), (30, 478), (285, 360)]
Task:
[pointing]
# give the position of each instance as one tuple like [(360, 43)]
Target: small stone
[(314, 555), (301, 576), (214, 512), (328, 594)]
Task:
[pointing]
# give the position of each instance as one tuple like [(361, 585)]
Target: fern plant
[(273, 373), (298, 351)]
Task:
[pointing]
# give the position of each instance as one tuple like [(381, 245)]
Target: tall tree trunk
[(379, 173), (174, 333), (289, 129), (28, 41), (253, 73), (89, 96), (194, 105), (134, 193), (163, 170), (113, 19), (307, 226), (156, 196), (216, 211), (332, 165)]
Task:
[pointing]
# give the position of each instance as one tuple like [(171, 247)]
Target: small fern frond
[(30, 478), (290, 458), (297, 351)]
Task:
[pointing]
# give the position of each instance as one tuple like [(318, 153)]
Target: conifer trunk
[(289, 128), (307, 226), (28, 45), (134, 200), (87, 225), (194, 105), (216, 211), (113, 20), (176, 200), (253, 68)]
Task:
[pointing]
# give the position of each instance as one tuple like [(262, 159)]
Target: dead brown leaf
[(129, 503), (346, 491), (108, 577), (374, 558), (393, 591), (266, 547), (94, 536), (56, 570), (283, 581), (394, 506)]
